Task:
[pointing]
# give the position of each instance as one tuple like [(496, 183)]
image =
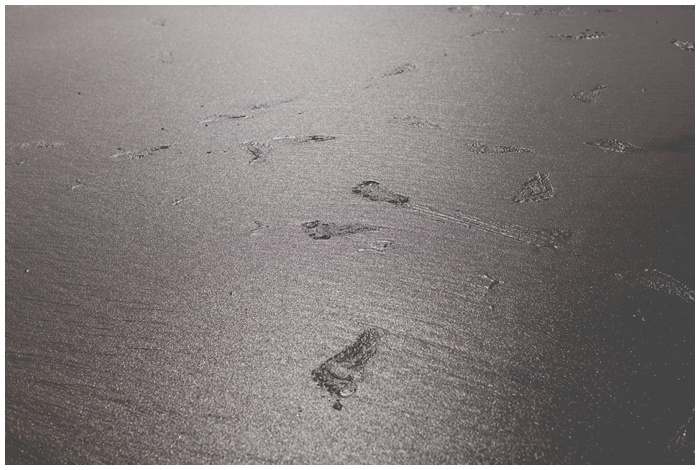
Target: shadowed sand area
[(349, 235)]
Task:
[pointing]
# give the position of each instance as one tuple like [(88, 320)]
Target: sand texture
[(349, 235)]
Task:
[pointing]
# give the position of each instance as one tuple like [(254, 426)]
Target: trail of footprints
[(341, 373)]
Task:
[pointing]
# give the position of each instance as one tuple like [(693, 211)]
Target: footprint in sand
[(476, 146), (139, 154), (614, 145), (589, 96), (416, 121), (325, 230), (686, 46), (260, 151), (587, 35), (537, 189), (341, 373)]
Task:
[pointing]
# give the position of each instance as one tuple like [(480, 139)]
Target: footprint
[(537, 189), (258, 226), (417, 122), (656, 280), (480, 147), (137, 155), (222, 117), (39, 144), (587, 35), (341, 373), (324, 230), (315, 138), (490, 11), (475, 10), (539, 238), (259, 151), (686, 46), (270, 104), (407, 67), (614, 145), (371, 190), (488, 31), (589, 96), (559, 11), (380, 247), (303, 139), (683, 143), (492, 283)]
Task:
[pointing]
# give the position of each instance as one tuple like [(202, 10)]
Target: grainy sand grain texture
[(168, 301)]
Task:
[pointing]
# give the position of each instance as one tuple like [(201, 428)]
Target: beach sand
[(349, 235)]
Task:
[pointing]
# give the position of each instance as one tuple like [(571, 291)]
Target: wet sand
[(349, 235)]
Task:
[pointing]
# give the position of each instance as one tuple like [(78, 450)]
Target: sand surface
[(349, 235)]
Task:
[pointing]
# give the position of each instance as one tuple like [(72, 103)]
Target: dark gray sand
[(349, 235)]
